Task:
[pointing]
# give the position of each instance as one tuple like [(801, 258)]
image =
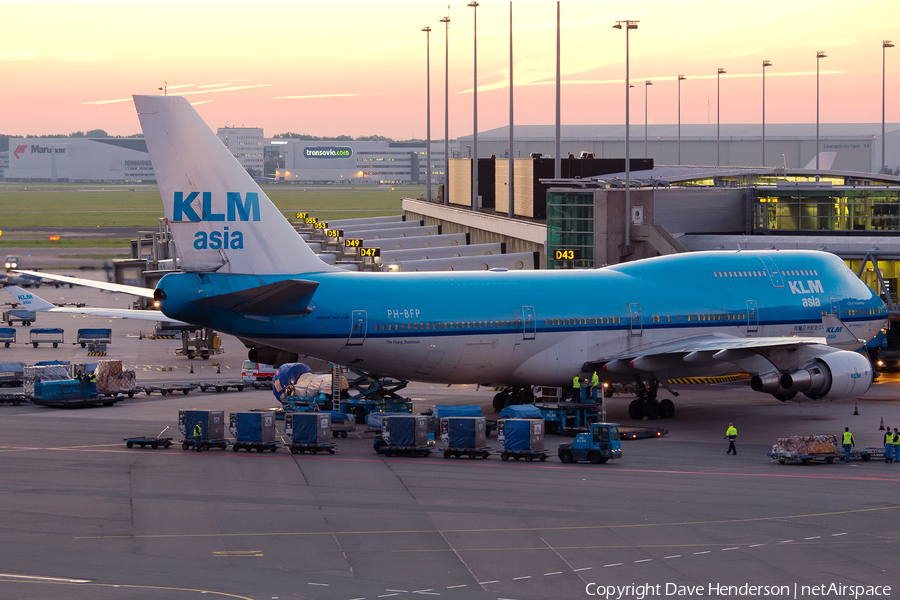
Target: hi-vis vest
[(595, 381), (848, 437), (888, 438), (576, 383), (731, 434), (198, 430)]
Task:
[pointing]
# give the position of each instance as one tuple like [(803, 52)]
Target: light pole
[(819, 56), (557, 163), (446, 22), (427, 31), (647, 85), (765, 64), (719, 73), (474, 5), (885, 44), (680, 79), (628, 26)]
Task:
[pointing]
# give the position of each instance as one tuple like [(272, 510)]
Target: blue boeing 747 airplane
[(792, 320)]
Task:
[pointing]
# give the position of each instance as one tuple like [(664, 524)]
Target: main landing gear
[(646, 404), (512, 395)]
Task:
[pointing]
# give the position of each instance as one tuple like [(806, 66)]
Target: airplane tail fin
[(221, 220), (28, 300)]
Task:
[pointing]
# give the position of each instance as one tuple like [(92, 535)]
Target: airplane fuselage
[(537, 327)]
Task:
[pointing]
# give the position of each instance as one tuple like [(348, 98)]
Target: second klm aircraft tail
[(221, 220)]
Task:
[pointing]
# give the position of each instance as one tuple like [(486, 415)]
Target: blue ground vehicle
[(599, 445)]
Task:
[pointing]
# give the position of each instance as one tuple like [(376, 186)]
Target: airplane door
[(637, 326), (836, 307), (357, 328), (530, 325), (772, 270), (752, 317)]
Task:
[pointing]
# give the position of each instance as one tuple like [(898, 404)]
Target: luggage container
[(213, 428), (7, 336), (403, 434), (522, 438), (46, 335), (309, 432), (253, 431), (19, 315), (464, 436)]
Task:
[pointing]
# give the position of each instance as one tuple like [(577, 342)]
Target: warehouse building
[(79, 160)]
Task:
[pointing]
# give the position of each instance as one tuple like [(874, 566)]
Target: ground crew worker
[(595, 383), (889, 446), (731, 435), (576, 389), (849, 442), (198, 436), (896, 446)]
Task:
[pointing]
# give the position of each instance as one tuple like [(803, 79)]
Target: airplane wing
[(132, 290), (30, 301), (749, 354)]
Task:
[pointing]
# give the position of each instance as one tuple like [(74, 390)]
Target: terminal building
[(360, 162)]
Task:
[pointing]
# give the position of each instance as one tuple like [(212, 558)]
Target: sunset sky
[(358, 68)]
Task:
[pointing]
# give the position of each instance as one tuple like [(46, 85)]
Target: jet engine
[(271, 356), (833, 376)]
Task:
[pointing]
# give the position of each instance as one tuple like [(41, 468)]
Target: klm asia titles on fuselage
[(236, 210)]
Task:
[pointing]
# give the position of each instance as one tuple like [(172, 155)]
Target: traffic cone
[(856, 409), (882, 425), (218, 367), (192, 367)]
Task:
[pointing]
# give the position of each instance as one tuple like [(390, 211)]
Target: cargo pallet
[(258, 446), (784, 458), (187, 444), (472, 453), (147, 440), (528, 455), (311, 448), (221, 386), (14, 399)]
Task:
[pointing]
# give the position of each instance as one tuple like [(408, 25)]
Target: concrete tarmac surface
[(86, 518)]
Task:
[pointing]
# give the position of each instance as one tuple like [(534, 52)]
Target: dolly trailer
[(597, 446)]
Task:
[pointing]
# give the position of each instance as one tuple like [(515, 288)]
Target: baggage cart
[(12, 374), (309, 432), (154, 441), (866, 454), (19, 315), (221, 444), (221, 386), (7, 336), (46, 335), (15, 398), (165, 390), (93, 336), (342, 424)]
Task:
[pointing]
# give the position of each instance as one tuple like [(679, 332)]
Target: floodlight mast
[(628, 26)]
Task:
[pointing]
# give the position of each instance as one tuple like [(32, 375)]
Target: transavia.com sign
[(328, 152)]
